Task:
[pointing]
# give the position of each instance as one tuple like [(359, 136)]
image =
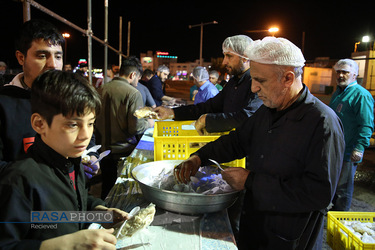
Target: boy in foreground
[(51, 178)]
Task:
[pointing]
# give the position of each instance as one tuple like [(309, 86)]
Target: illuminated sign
[(171, 57), (82, 61), (159, 53), (147, 59)]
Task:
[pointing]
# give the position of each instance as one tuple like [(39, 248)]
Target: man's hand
[(83, 239), (200, 124), (164, 113), (187, 168), (356, 155), (235, 177), (91, 170)]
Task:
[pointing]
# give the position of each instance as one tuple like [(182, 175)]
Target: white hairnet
[(352, 65), (237, 45), (279, 51), (200, 74)]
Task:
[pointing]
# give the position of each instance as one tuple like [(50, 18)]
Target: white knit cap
[(279, 51)]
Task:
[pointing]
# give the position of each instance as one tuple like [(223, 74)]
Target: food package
[(365, 231), (146, 112), (140, 220), (206, 181)]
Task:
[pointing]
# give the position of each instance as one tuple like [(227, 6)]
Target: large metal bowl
[(187, 203)]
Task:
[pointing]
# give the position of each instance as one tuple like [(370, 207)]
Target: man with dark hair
[(117, 125), (146, 95), (38, 49), (51, 178)]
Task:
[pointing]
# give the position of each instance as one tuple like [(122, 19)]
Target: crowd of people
[(301, 154)]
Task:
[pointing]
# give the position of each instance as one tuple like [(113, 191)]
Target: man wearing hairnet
[(206, 89), (294, 144), (354, 105), (229, 108)]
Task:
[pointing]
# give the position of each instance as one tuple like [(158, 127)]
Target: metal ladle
[(217, 164)]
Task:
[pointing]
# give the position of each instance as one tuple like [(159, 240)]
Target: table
[(168, 230)]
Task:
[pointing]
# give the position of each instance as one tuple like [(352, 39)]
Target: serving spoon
[(217, 164)]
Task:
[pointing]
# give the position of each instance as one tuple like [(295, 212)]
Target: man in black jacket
[(38, 49), (295, 146), (229, 108)]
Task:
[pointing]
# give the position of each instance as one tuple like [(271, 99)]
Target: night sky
[(331, 29)]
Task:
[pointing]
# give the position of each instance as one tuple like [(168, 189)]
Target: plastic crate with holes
[(176, 140), (340, 237)]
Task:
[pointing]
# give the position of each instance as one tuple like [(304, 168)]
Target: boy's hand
[(83, 239), (91, 170), (118, 215)]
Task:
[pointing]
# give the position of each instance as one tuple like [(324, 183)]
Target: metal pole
[(89, 39), (26, 11), (120, 41), (201, 48), (303, 42), (128, 49), (105, 41), (201, 42), (83, 31)]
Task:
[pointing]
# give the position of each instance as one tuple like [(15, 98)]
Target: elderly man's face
[(233, 63), (163, 75), (345, 76), (267, 84)]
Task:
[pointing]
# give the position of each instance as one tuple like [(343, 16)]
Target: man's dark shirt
[(228, 109), (295, 159), (156, 89)]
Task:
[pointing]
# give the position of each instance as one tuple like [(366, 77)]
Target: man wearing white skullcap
[(355, 107), (294, 144)]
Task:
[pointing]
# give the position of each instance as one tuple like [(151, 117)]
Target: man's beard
[(343, 83), (235, 71)]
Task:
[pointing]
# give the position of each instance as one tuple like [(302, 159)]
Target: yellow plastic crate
[(339, 236), (176, 140)]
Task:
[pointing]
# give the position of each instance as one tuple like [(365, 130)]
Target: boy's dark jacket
[(41, 182)]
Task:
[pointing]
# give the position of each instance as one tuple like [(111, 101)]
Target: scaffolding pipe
[(26, 11), (105, 41), (58, 17), (89, 39), (120, 40), (128, 49)]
